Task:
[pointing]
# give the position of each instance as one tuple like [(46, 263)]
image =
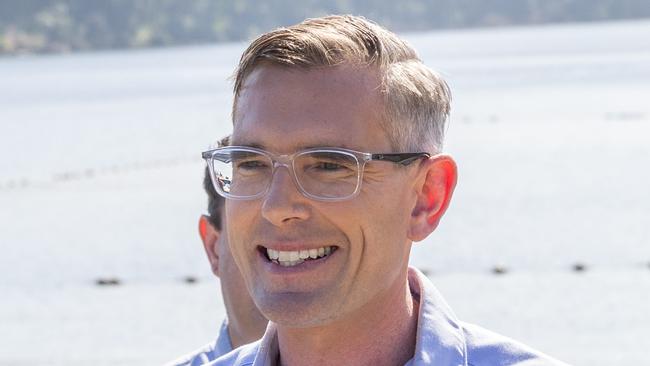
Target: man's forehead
[(265, 74), (286, 110), (348, 87), (307, 138)]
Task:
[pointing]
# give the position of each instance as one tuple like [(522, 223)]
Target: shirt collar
[(268, 350), (440, 337), (223, 344)]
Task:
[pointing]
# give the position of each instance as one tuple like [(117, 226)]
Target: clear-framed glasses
[(324, 174)]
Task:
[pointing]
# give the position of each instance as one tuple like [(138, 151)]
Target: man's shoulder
[(197, 357), (486, 348), (242, 356)]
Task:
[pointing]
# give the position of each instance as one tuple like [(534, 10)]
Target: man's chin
[(296, 310)]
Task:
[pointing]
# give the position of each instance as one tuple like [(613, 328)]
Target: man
[(335, 169), (244, 323)]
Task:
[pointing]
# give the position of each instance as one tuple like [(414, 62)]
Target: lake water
[(100, 175)]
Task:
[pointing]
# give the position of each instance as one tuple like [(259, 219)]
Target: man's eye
[(326, 165), (251, 164)]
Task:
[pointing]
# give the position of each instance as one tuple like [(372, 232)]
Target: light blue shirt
[(209, 352), (442, 340)]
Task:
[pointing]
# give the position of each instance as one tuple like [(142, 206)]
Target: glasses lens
[(241, 173), (327, 174)]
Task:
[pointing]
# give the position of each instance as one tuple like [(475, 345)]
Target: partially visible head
[(215, 201), (240, 308), (416, 99)]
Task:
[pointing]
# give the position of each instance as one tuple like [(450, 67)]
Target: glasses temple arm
[(404, 159)]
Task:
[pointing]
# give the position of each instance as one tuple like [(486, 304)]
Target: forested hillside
[(69, 25)]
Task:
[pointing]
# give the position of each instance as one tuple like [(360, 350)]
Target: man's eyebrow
[(310, 145), (326, 145), (252, 144), (299, 147)]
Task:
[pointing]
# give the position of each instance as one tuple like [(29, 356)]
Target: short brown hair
[(417, 99)]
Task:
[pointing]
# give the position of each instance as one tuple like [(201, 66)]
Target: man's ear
[(434, 190), (210, 238)]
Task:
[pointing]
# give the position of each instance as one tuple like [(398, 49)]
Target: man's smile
[(291, 258), (295, 257)]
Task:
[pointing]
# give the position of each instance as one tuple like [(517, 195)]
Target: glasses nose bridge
[(286, 161), (283, 161)]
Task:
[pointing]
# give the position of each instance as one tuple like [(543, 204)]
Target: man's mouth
[(296, 257)]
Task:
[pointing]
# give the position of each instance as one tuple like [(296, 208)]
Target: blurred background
[(105, 107)]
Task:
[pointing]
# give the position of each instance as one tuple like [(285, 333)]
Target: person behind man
[(244, 323), (336, 168)]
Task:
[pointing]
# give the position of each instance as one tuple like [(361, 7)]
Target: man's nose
[(283, 202)]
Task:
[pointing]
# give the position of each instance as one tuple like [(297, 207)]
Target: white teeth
[(284, 256), (295, 257), (290, 263)]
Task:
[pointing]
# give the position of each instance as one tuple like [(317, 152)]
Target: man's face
[(284, 111)]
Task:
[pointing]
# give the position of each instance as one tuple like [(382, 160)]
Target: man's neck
[(238, 335), (245, 328), (381, 333)]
